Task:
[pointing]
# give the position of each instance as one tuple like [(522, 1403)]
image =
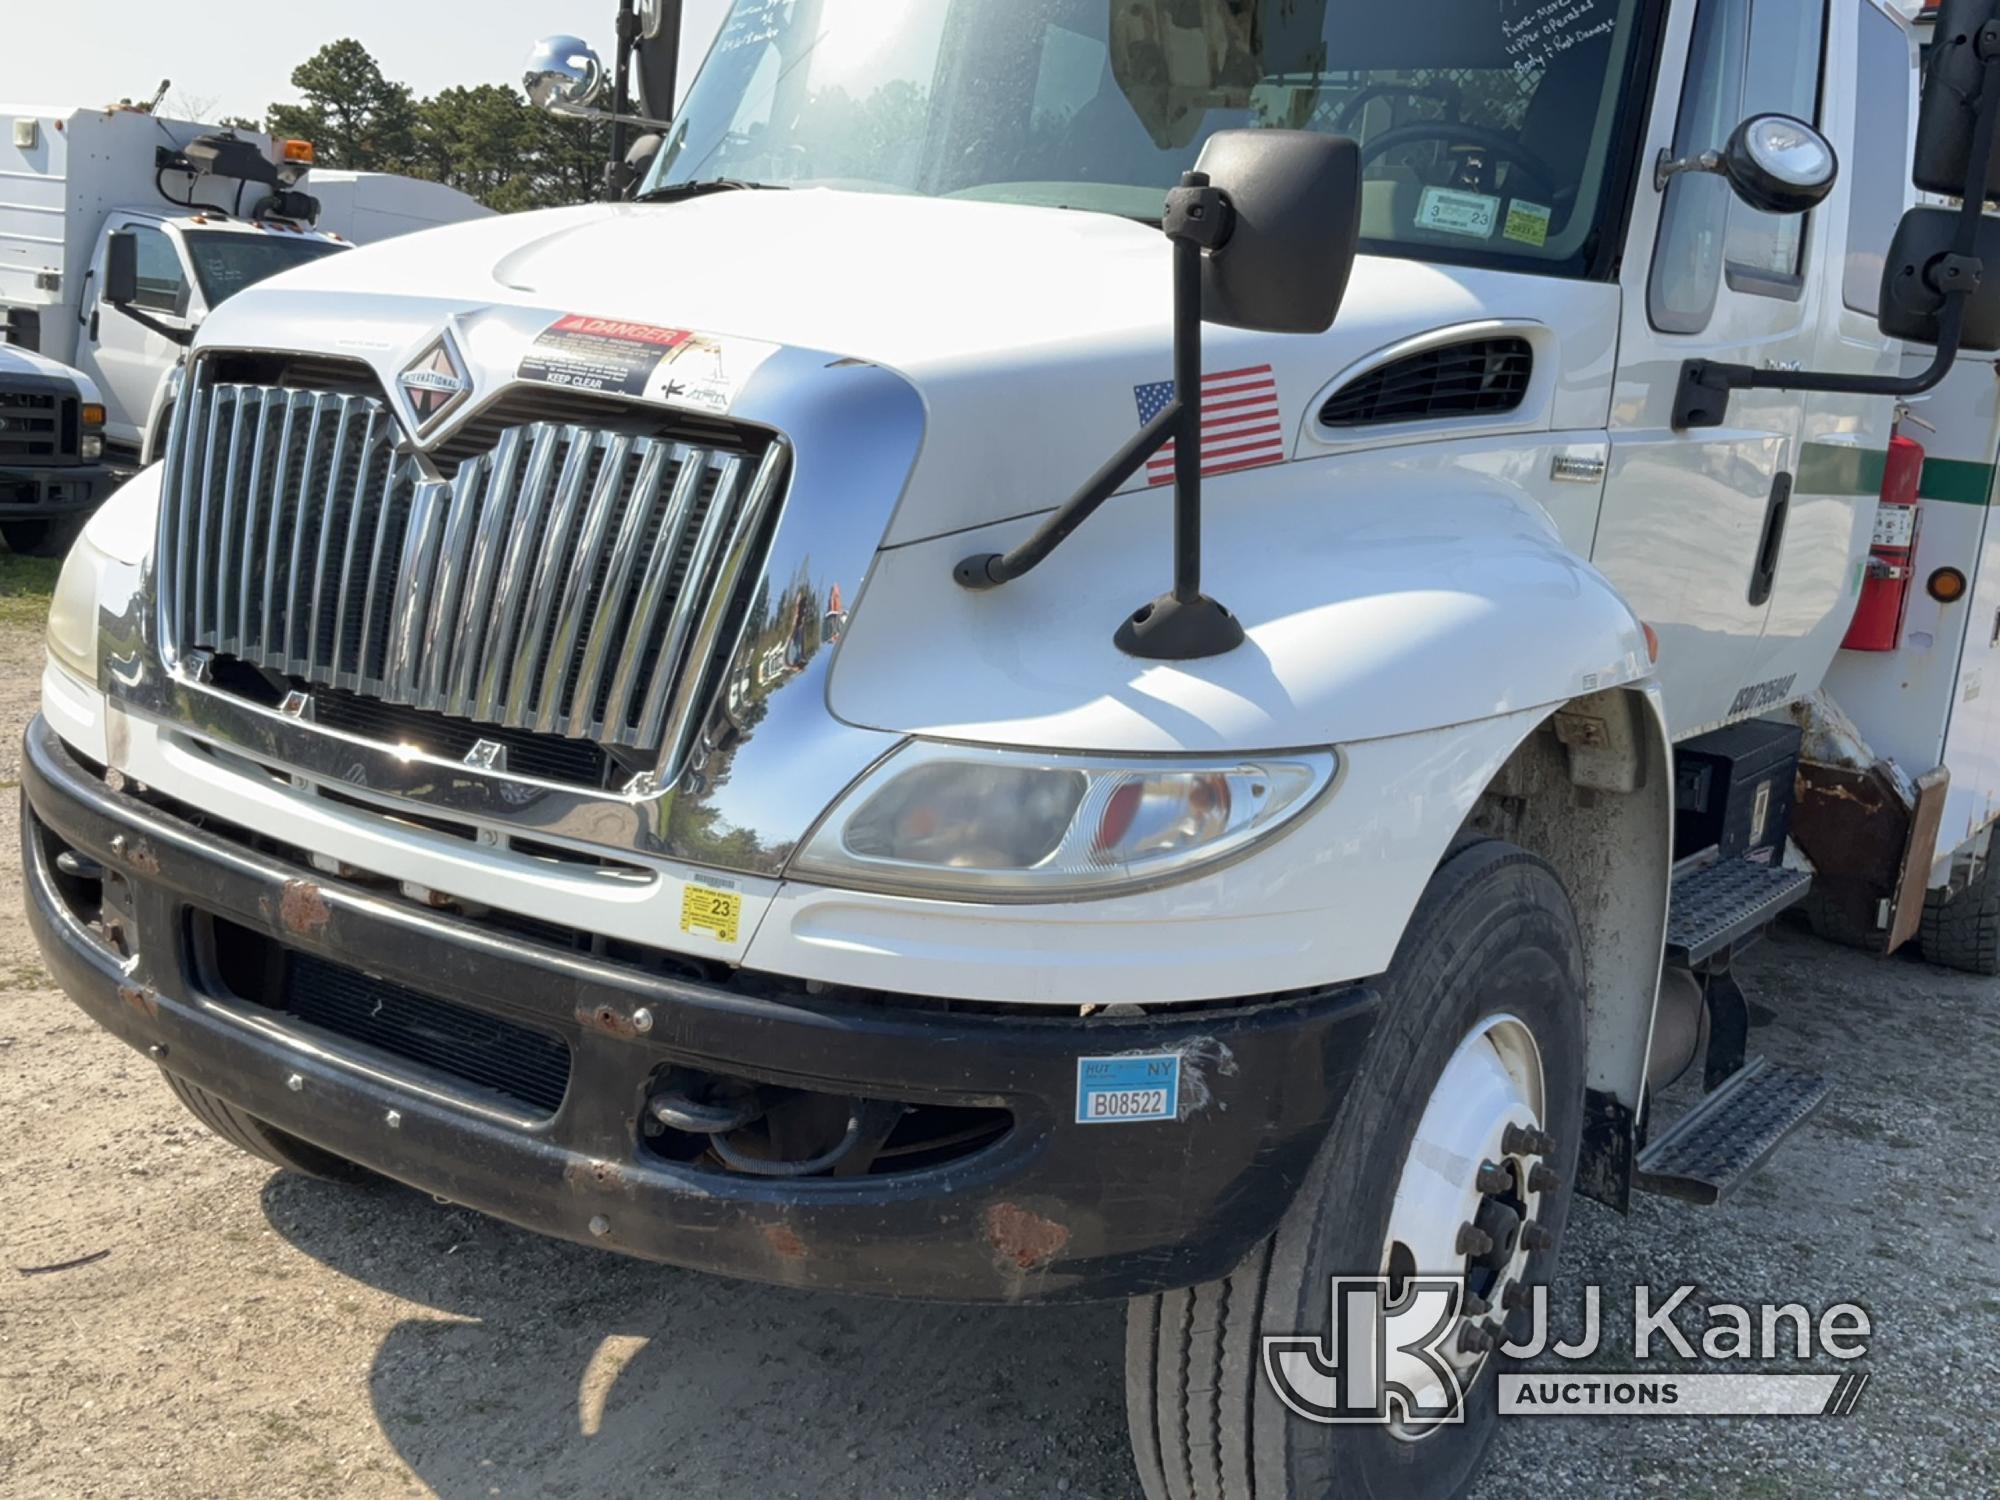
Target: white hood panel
[(1027, 331)]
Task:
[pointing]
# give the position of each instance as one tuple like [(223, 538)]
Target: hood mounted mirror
[(1264, 232)]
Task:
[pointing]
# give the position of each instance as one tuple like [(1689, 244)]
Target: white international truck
[(85, 388), (645, 720)]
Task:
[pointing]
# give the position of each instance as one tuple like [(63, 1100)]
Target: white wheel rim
[(1491, 1087)]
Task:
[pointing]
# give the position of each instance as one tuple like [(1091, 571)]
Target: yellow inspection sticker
[(1528, 222), (717, 913)]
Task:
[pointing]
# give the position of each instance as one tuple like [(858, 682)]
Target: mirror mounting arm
[(1184, 625), (1702, 397), (168, 331)]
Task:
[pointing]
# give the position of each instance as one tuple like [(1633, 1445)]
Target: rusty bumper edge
[(1056, 1211)]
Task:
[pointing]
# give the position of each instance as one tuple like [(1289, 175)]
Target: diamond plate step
[(1731, 1133), (1717, 904)]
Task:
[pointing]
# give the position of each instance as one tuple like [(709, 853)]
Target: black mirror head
[(1953, 79), (1913, 294), (1297, 201), (121, 269), (1779, 165)]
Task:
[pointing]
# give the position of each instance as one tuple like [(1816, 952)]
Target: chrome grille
[(571, 581)]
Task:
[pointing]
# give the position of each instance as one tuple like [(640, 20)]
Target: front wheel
[(1452, 1155)]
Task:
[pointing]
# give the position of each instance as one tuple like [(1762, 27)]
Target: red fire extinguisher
[(1892, 558)]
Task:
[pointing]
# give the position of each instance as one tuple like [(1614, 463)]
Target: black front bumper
[(33, 494), (1052, 1210)]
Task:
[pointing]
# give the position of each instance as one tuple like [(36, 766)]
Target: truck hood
[(17, 362), (1031, 334)]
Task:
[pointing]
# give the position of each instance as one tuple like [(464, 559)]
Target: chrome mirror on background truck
[(1264, 232), (1935, 289)]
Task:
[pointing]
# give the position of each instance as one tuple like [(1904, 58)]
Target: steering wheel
[(1355, 102), (1503, 146)]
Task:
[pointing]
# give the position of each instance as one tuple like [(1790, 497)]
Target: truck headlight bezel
[(979, 823)]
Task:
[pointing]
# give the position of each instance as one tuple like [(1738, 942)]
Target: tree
[(356, 118), (486, 140)]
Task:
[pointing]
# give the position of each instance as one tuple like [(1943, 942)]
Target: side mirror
[(1921, 269), (1954, 79), (564, 74), (1294, 204), (121, 269), (1776, 164)]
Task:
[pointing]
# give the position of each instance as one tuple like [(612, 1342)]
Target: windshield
[(1488, 127), (226, 263)]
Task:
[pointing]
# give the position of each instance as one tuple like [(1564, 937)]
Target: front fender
[(1377, 604)]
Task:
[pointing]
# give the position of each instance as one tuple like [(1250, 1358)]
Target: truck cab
[(659, 720), (189, 264), (210, 212)]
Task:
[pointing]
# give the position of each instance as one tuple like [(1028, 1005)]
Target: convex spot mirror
[(564, 73), (1919, 271), (1295, 198), (1776, 164)]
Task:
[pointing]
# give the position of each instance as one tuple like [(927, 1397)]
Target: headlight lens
[(958, 821), (92, 447), (73, 610)]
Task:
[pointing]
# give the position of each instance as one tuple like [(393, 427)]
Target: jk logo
[(1381, 1361)]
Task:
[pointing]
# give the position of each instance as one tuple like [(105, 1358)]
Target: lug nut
[(1493, 1180), (1525, 1140), (1543, 1180), (1474, 1339), (1535, 1237), (1516, 1297), (1475, 1306), (1473, 1240)]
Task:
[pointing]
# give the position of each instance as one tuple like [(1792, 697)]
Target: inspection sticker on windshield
[(1451, 211), (618, 358), (716, 913), (1127, 1090), (1528, 222)]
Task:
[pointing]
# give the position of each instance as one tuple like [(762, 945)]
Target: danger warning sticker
[(672, 365)]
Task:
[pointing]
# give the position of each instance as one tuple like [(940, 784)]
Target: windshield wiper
[(675, 192)]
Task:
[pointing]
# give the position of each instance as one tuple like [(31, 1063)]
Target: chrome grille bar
[(572, 582)]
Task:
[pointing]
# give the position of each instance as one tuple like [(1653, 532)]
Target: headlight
[(959, 821), (91, 448), (73, 611)]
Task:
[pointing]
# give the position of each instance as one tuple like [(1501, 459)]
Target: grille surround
[(1479, 377), (571, 581)]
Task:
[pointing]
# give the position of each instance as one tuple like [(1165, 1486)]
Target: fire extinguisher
[(1892, 557)]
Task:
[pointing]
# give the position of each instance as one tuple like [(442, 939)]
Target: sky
[(235, 57)]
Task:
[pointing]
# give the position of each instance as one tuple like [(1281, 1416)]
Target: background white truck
[(213, 211), (598, 723)]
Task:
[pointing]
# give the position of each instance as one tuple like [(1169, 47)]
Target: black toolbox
[(1733, 791)]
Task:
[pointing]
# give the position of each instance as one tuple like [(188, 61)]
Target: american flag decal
[(1240, 426)]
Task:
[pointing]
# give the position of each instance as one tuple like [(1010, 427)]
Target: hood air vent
[(1479, 378)]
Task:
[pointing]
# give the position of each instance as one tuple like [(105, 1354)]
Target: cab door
[(127, 360), (1693, 524)]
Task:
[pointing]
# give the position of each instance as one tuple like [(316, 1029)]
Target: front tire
[(1492, 961), (248, 1133)]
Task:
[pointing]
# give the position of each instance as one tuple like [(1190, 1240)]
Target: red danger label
[(611, 328)]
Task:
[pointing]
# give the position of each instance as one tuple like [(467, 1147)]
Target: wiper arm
[(676, 192)]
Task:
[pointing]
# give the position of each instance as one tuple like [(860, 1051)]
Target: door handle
[(93, 324), (1771, 547)]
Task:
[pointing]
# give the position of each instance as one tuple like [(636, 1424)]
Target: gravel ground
[(251, 1333)]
